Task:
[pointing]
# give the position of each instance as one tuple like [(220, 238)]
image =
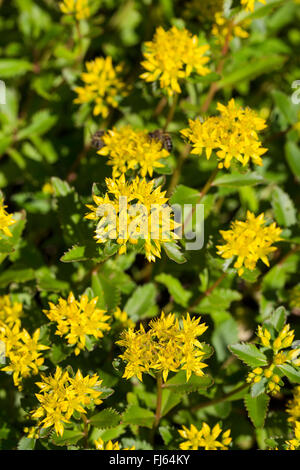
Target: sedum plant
[(149, 225)]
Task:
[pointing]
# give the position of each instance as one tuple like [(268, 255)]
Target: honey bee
[(97, 142), (163, 137)]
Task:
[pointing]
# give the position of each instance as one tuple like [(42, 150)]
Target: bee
[(97, 142), (163, 137)]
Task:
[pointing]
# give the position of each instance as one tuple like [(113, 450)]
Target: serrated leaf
[(135, 415), (76, 253), (258, 388), (107, 418), (249, 354), (257, 408), (179, 293), (25, 443)]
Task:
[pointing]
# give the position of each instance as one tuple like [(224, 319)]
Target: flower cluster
[(77, 319), (249, 4), (224, 29), (122, 317), (23, 352), (167, 346), (61, 395), (101, 445), (232, 135), (5, 220), (102, 85), (128, 149), (276, 343), (249, 241), (206, 438), (134, 212), (172, 56), (78, 8)]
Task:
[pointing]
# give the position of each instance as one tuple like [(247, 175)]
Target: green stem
[(85, 430), (209, 290)]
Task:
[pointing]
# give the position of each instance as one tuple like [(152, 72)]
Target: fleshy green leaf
[(179, 293), (249, 354), (257, 408)]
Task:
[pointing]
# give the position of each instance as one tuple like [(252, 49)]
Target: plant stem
[(159, 385), (225, 397), (201, 195), (85, 430), (177, 172), (209, 290)]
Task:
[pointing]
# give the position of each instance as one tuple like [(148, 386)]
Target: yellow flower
[(232, 135), (224, 29), (101, 445), (78, 8), (31, 432), (123, 318), (206, 438), (10, 312), (23, 352), (293, 406), (166, 347), (249, 241), (77, 319), (5, 220), (61, 395), (143, 217), (249, 4), (172, 56), (283, 340), (128, 149), (102, 85)]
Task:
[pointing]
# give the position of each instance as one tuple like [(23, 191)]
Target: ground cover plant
[(149, 224)]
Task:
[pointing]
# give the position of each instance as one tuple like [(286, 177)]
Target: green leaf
[(12, 67), (257, 408), (179, 293), (135, 415), (173, 252), (235, 180), (107, 418), (16, 275), (76, 253), (109, 296), (249, 354), (141, 300), (178, 383), (284, 209), (290, 372), (286, 107), (292, 155), (41, 122), (258, 388), (252, 69), (278, 318)]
